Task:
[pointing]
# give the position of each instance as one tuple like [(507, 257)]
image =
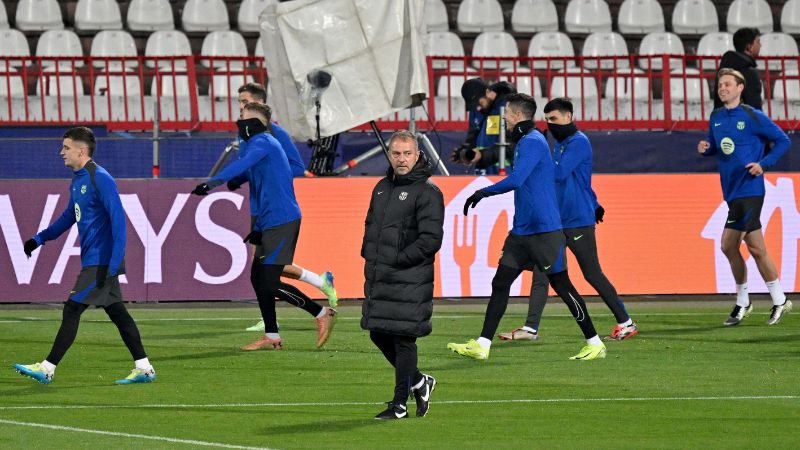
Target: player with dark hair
[(255, 93), (579, 213), (277, 223), (94, 204), (746, 48), (736, 136), (536, 238)]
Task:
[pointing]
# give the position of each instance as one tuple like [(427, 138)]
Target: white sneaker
[(778, 311)]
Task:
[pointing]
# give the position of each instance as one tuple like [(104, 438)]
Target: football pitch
[(684, 381)]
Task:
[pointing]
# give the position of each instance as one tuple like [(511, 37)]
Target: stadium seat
[(223, 43), (205, 15), (582, 89), (790, 17), (778, 44), (450, 108), (39, 15), (445, 43), (3, 18), (714, 44), (749, 13), (475, 16), (436, 16), (97, 15), (249, 12), (659, 44), (786, 92), (493, 44), (13, 43), (628, 97), (551, 44), (62, 84), (168, 43), (113, 92), (454, 82), (525, 83), (606, 43), (12, 93), (174, 95), (59, 43), (694, 17), (587, 16), (689, 100), (150, 15), (113, 43), (532, 16), (640, 16)]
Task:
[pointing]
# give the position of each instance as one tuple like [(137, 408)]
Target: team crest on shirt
[(77, 212), (740, 125), (83, 189), (727, 145), (403, 195)]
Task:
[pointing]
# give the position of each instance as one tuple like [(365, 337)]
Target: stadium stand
[(778, 45), (150, 15), (790, 17), (205, 15), (581, 88), (249, 12), (550, 44), (749, 13), (475, 16), (532, 16), (39, 15), (695, 17), (3, 16), (640, 16), (494, 44), (93, 15), (713, 45), (436, 16), (445, 43), (605, 43), (587, 16), (661, 43)]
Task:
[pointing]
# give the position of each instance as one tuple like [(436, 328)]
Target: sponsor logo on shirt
[(740, 125), (727, 145), (77, 212)]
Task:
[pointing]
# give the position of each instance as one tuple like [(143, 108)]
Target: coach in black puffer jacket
[(403, 231)]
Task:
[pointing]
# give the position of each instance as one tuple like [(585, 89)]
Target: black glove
[(598, 214), (102, 274), (201, 189), (233, 185), (254, 238), (30, 246), (474, 199)]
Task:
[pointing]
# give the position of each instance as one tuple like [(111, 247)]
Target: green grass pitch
[(684, 382)]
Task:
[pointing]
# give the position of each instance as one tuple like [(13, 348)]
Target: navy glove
[(30, 246), (201, 189), (102, 274), (598, 214), (233, 185), (254, 238), (474, 199)]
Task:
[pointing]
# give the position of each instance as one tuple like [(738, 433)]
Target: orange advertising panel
[(660, 234)]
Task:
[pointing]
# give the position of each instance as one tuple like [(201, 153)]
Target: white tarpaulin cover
[(373, 49)]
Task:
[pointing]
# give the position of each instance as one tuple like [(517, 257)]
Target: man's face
[(250, 114), (245, 98), (403, 154), (557, 117), (755, 48), (728, 90), (513, 117), (486, 101), (73, 153)]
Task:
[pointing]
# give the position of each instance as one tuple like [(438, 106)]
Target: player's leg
[(325, 316), (143, 371), (536, 303), (594, 347), (323, 281), (583, 244), (736, 225), (766, 267), (265, 279)]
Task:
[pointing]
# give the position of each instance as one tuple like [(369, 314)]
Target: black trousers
[(266, 281), (401, 352)]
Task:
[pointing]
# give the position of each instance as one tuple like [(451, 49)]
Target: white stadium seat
[(98, 15), (436, 16), (113, 43), (475, 16), (790, 17), (205, 15), (785, 94), (640, 16), (628, 97), (694, 17), (550, 44), (14, 82), (491, 44), (445, 43), (660, 44), (581, 89), (696, 92), (39, 15), (606, 43), (587, 16), (532, 16), (249, 12), (749, 13), (224, 43), (150, 15), (450, 108), (3, 17), (714, 44), (454, 83), (778, 44), (13, 43), (59, 43), (168, 43)]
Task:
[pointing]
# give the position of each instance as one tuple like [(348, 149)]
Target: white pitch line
[(443, 402), (128, 435)]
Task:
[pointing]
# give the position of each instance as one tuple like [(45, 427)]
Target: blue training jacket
[(95, 206), (737, 137), (573, 172), (533, 183), (266, 166)]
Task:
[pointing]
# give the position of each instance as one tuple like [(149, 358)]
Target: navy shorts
[(744, 214), (278, 244), (545, 251), (86, 291)]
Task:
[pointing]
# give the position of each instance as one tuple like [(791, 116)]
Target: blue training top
[(573, 172), (266, 166), (95, 206), (533, 183), (737, 137)]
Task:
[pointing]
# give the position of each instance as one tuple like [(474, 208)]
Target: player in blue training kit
[(276, 227), (736, 135), (254, 92), (95, 206), (579, 212), (536, 238)]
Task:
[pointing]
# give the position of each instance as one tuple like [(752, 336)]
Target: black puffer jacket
[(402, 233), (752, 84)]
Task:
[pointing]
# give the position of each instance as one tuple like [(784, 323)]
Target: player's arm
[(109, 197), (580, 152), (237, 168), (57, 228), (430, 225), (772, 133), (526, 160)]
